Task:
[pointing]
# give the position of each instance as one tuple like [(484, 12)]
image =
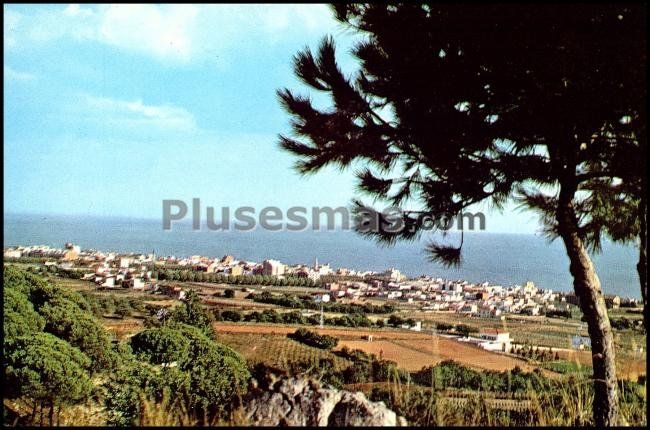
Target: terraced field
[(277, 350)]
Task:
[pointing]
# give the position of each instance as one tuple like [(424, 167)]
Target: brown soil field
[(410, 350), (414, 354)]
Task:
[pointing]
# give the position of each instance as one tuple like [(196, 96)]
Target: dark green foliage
[(293, 317), (192, 312), (456, 106), (19, 318), (65, 314), (465, 330), (134, 380), (444, 326), (395, 320), (449, 374), (627, 324), (67, 321), (162, 345), (229, 293), (47, 370), (452, 106), (55, 368), (557, 313), (231, 316), (307, 302), (206, 374), (353, 320), (314, 339), (220, 278)]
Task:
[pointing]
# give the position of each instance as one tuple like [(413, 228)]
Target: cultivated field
[(277, 350), (410, 350)]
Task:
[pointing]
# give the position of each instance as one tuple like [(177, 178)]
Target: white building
[(125, 262), (321, 298), (415, 327), (393, 274), (494, 340), (12, 253), (137, 284), (272, 268)]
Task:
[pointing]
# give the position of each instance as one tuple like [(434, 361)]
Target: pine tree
[(457, 105)]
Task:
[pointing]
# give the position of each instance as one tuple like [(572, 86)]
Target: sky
[(110, 109)]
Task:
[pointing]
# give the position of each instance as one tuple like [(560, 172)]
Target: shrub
[(231, 316), (314, 339)]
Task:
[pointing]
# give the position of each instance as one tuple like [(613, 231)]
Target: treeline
[(295, 317), (307, 302), (535, 353), (462, 329), (627, 323), (449, 374), (29, 260), (53, 269), (558, 313), (188, 275)]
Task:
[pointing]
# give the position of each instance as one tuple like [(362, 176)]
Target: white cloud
[(164, 32), (176, 33), (136, 113), (15, 75)]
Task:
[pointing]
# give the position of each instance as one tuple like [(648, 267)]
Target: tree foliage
[(457, 105), (47, 370)]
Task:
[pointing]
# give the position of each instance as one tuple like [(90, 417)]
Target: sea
[(498, 258)]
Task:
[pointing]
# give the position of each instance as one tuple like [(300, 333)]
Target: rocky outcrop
[(291, 401)]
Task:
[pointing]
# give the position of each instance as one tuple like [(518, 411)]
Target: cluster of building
[(437, 294), (109, 270), (430, 294)]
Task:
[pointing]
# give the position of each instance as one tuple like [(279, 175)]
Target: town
[(142, 272)]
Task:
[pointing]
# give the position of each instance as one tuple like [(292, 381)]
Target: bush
[(466, 330), (233, 316), (314, 339), (444, 326)]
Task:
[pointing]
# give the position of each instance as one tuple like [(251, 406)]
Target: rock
[(292, 401)]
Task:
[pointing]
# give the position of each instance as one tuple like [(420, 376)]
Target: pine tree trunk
[(592, 302), (33, 417), (51, 415), (641, 266)]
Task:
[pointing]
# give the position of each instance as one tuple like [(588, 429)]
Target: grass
[(569, 404), (567, 367)]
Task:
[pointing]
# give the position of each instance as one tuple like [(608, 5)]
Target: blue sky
[(108, 110)]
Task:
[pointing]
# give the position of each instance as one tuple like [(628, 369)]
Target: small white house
[(109, 282), (494, 340), (415, 327), (321, 298), (137, 284)]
